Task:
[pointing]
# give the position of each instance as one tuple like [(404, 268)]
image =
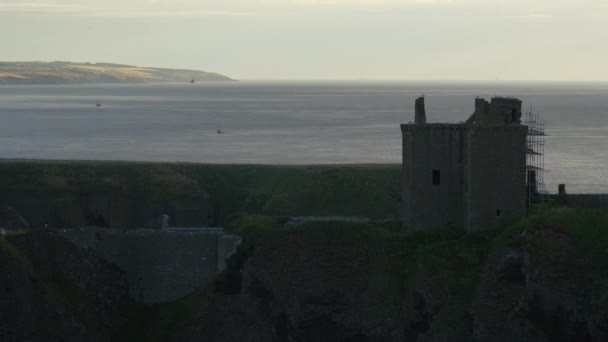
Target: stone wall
[(428, 148), (501, 110), (161, 265), (495, 174), (470, 175)]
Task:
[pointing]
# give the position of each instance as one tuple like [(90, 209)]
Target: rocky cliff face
[(11, 219), (552, 288), (53, 291), (543, 279)]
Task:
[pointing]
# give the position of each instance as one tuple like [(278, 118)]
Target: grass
[(65, 72), (9, 74), (16, 232), (58, 287), (228, 189), (161, 322), (448, 265), (7, 247)]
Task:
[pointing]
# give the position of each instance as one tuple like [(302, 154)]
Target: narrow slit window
[(436, 177), (498, 213)]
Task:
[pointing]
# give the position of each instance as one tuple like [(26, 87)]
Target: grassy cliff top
[(74, 73), (539, 277), (371, 191)]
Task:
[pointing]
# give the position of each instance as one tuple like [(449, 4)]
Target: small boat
[(219, 131), (98, 104), (192, 81)]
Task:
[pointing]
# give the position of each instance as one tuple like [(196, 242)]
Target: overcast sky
[(320, 39)]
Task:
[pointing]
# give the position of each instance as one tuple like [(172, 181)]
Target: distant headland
[(82, 73)]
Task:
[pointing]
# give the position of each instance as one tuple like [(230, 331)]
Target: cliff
[(79, 73), (53, 291), (135, 195), (542, 278)]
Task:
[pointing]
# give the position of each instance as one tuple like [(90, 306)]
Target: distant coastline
[(19, 73)]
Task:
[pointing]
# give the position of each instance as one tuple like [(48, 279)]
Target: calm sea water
[(287, 123)]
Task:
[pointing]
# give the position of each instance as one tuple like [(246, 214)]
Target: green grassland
[(541, 276), (39, 190), (78, 73)]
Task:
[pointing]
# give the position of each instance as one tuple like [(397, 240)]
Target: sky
[(496, 40)]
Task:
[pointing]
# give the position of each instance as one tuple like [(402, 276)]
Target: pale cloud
[(320, 39), (32, 7), (362, 2), (98, 10), (160, 8), (532, 17), (200, 8), (121, 13)]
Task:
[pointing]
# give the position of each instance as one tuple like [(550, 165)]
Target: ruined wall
[(470, 175), (120, 211), (161, 265), (501, 110), (494, 174), (420, 111), (428, 148)]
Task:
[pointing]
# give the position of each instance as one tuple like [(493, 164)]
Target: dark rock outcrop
[(341, 282), (543, 278), (53, 291), (12, 220)]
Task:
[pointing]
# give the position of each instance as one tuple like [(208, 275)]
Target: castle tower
[(500, 111), (469, 175), (420, 116)]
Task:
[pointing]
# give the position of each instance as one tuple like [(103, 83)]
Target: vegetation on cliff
[(541, 277), (132, 195), (78, 73), (53, 291)]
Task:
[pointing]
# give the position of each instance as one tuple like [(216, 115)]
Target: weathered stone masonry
[(470, 175), (161, 265)]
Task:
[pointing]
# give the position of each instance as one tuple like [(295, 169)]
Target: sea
[(289, 122)]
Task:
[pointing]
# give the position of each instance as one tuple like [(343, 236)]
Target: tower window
[(514, 116), (498, 213), (436, 177)]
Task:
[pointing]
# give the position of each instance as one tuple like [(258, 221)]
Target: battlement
[(432, 126), (469, 174), (501, 110)]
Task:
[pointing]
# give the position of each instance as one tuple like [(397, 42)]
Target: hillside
[(54, 291), (540, 278), (128, 195), (80, 73)]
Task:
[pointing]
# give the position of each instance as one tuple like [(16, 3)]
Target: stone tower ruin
[(470, 175)]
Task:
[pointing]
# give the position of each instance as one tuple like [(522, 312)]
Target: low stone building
[(161, 265), (469, 175)]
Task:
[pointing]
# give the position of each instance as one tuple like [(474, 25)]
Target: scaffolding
[(535, 159)]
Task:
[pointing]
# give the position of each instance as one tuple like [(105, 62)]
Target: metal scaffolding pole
[(535, 159)]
